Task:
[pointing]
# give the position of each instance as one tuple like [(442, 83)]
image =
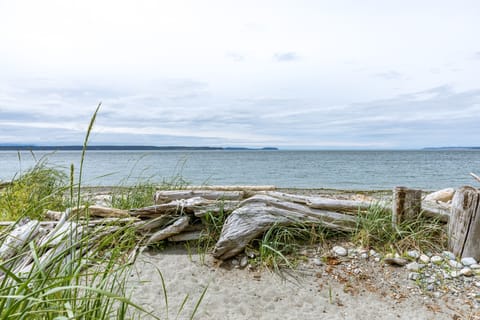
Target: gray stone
[(467, 272), (436, 259), (235, 262), (413, 254), (424, 258), (475, 266), (364, 255), (468, 261), (454, 274), (317, 262), (413, 266), (448, 255), (243, 262), (414, 276), (396, 261), (339, 251), (455, 264), (430, 287)]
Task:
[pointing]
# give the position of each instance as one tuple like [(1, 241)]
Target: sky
[(289, 74)]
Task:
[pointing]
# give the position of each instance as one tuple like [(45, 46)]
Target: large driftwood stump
[(407, 204), (464, 224), (257, 214)]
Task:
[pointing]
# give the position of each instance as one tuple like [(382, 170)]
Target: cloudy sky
[(292, 74)]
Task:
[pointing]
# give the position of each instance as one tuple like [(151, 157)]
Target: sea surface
[(353, 170)]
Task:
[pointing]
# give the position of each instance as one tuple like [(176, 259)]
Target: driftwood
[(180, 216), (475, 176), (174, 229), (231, 188), (98, 211), (464, 225), (407, 204), (179, 205), (258, 213), (169, 195), (17, 238)]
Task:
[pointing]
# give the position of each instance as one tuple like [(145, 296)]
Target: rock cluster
[(435, 275)]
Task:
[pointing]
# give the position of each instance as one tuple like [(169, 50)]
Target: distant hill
[(9, 147), (451, 148)]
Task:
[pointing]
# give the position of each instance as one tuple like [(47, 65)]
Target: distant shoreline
[(124, 148)]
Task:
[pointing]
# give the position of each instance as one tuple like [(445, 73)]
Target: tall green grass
[(33, 192), (79, 273)]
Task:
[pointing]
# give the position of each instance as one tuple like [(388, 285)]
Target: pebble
[(455, 264), (413, 254), (475, 266), (468, 261), (436, 259), (396, 261), (413, 266), (243, 262), (424, 258), (430, 287), (414, 276), (454, 274), (448, 255), (373, 253), (235, 262), (364, 255), (339, 251), (467, 272), (317, 262)]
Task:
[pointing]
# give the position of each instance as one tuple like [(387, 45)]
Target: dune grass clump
[(32, 192), (375, 229)]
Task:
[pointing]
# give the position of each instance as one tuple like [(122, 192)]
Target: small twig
[(475, 176)]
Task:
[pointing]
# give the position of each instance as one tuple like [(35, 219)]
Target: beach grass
[(69, 273)]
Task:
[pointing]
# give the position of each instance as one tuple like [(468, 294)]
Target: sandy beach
[(311, 292)]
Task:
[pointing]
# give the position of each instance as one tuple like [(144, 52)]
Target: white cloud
[(202, 72)]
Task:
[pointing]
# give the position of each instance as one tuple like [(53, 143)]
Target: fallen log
[(232, 188), (176, 206), (17, 238), (215, 208), (258, 213), (98, 211), (338, 205), (174, 229), (169, 195)]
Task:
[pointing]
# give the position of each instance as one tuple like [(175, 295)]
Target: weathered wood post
[(464, 223), (407, 204)]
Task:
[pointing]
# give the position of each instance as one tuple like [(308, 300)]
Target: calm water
[(298, 169)]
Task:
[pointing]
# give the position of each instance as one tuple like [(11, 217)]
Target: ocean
[(352, 170)]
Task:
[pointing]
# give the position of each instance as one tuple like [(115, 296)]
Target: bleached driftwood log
[(475, 176), (464, 224), (98, 211), (257, 214), (232, 188), (175, 206), (174, 229), (17, 238), (169, 195)]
